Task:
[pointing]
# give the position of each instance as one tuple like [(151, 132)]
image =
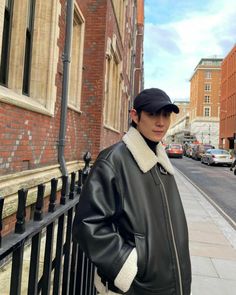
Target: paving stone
[(203, 266), (225, 268), (203, 285)]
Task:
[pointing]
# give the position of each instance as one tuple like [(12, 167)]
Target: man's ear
[(134, 115)]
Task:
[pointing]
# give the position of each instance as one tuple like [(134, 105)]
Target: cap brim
[(154, 108)]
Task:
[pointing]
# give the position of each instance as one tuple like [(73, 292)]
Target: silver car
[(217, 156)]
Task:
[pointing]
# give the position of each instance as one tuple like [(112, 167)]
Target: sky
[(178, 33)]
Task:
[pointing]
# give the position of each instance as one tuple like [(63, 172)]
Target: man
[(130, 220)]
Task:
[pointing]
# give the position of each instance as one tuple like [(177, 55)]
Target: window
[(76, 60), (31, 56), (129, 60), (206, 112), (207, 74), (207, 98), (207, 87), (207, 62), (126, 114), (6, 37), (119, 9), (28, 46), (113, 86)]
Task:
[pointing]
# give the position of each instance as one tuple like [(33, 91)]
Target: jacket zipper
[(172, 234)]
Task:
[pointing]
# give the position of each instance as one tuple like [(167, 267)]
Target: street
[(217, 182)]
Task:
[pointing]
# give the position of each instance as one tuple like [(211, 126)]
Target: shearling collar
[(143, 155)]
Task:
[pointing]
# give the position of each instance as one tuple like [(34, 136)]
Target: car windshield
[(220, 152)]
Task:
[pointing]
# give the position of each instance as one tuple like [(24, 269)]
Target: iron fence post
[(38, 215), (21, 211)]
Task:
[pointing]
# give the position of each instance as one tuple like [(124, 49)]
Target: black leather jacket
[(121, 208)]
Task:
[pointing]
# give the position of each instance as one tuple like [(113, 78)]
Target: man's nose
[(159, 120)]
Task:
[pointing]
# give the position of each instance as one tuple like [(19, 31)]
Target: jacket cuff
[(128, 272)]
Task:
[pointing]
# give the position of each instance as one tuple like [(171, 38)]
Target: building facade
[(228, 102), (180, 129), (105, 35), (205, 101)]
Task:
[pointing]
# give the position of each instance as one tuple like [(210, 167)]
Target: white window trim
[(204, 111), (207, 99), (208, 75), (205, 87), (77, 106), (111, 116)]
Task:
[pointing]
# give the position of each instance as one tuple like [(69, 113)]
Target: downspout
[(64, 99)]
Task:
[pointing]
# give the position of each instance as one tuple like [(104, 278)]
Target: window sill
[(77, 110), (112, 129), (22, 101)]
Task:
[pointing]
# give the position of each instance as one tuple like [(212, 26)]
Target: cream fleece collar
[(143, 155)]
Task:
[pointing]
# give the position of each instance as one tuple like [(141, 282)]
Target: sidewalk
[(212, 243)]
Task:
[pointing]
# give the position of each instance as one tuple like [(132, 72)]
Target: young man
[(130, 220)]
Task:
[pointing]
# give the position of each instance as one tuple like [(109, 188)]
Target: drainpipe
[(64, 99)]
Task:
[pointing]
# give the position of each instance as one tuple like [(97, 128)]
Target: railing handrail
[(12, 241)]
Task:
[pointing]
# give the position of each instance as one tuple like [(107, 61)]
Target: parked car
[(199, 150), (174, 150), (217, 156)]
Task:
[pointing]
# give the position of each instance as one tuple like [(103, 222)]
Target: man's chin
[(156, 139)]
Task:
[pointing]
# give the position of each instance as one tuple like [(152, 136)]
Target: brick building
[(228, 101), (106, 34), (205, 100)]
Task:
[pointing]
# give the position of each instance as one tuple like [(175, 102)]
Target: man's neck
[(152, 144)]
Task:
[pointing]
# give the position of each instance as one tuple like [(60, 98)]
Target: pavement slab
[(212, 242)]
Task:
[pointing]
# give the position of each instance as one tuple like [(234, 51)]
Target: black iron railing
[(56, 264)]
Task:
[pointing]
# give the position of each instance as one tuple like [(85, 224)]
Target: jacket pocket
[(140, 243)]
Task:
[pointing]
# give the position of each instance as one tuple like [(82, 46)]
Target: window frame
[(207, 87), (113, 80), (205, 109), (77, 66), (28, 47), (208, 75), (5, 44), (45, 58), (207, 98)]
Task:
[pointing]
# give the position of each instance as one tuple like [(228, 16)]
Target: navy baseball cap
[(153, 100)]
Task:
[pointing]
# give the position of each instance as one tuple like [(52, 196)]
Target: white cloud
[(172, 50)]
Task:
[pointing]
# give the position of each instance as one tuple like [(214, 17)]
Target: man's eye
[(166, 114)]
